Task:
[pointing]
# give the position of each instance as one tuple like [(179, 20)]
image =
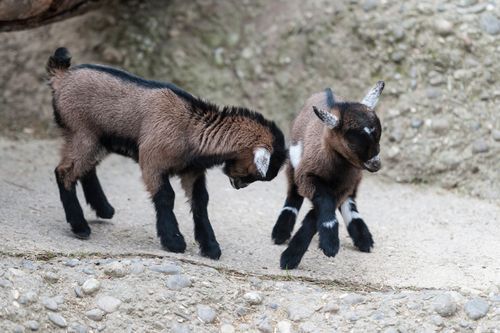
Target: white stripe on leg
[(347, 214), (291, 209)]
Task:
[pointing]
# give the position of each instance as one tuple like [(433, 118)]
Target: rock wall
[(438, 58)]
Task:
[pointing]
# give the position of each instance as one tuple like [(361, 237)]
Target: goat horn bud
[(330, 120), (373, 95)]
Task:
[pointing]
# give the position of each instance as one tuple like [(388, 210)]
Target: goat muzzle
[(374, 164)]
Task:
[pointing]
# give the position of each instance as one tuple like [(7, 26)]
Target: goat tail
[(59, 61)]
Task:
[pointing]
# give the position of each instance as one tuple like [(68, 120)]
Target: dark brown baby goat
[(331, 142), (168, 131)]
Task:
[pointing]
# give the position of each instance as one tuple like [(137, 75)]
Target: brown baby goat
[(331, 142), (168, 131)]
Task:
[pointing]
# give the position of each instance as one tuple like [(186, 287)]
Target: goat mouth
[(236, 183)]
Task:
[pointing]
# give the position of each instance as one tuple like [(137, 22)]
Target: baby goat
[(331, 142), (168, 131)]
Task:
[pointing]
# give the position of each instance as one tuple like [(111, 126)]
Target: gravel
[(490, 23), (253, 298), (95, 314), (115, 269), (444, 305), (178, 282), (205, 313), (50, 304), (166, 269), (108, 304), (480, 146), (58, 320), (476, 308), (90, 286)]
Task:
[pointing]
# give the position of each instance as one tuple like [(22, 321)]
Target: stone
[(57, 320), (490, 23), (177, 282), (5, 283), (369, 5), (264, 326), (28, 297), (33, 325), (433, 93), (72, 262), (496, 135), (115, 269), (284, 327), (227, 328), (437, 320), (307, 327), (137, 268), (298, 312), (78, 328), (51, 277), (443, 27), (480, 146), (440, 126), (416, 123), (476, 308), (444, 305), (95, 314), (331, 307), (253, 298), (108, 303), (90, 286), (180, 328), (88, 271), (353, 299), (206, 313), (397, 56), (169, 269), (50, 304), (18, 329), (78, 292)]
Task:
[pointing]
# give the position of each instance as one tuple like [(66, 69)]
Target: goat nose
[(374, 164)]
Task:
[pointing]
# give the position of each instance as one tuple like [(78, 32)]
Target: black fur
[(94, 195), (292, 256), (324, 205), (120, 145), (360, 235), (166, 223), (286, 221), (330, 99), (61, 59), (203, 231), (72, 209)]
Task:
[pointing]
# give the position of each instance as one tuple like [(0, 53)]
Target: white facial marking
[(347, 214), (295, 152), (371, 98), (373, 159), (329, 224), (369, 130), (291, 209), (261, 159)]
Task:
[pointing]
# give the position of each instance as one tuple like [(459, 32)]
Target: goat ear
[(371, 98), (261, 158), (330, 120)]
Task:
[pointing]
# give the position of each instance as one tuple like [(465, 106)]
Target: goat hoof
[(81, 232), (330, 250), (282, 230), (365, 245), (211, 250), (289, 260), (360, 235), (106, 212), (174, 243)]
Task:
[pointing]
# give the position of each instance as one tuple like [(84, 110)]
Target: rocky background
[(439, 60)]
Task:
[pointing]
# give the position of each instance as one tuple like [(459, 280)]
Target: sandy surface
[(424, 237)]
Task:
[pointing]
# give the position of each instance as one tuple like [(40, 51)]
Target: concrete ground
[(424, 237)]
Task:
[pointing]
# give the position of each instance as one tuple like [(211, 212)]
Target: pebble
[(5, 283), (177, 282), (433, 93), (115, 269), (298, 312), (253, 298), (480, 146), (444, 305), (72, 262), (170, 269), (443, 27), (397, 56), (416, 123), (78, 292), (90, 286), (108, 303), (284, 327), (440, 126), (57, 319), (351, 316), (369, 5), (51, 277), (50, 304), (437, 320), (264, 326), (88, 271), (137, 268), (95, 314), (227, 328), (476, 308), (180, 328), (331, 307), (496, 135), (18, 329), (307, 327), (28, 297), (353, 299), (78, 328), (33, 325), (490, 23), (206, 313)]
